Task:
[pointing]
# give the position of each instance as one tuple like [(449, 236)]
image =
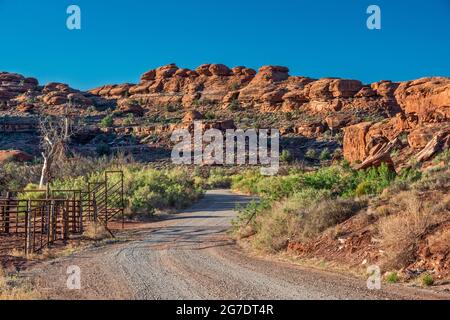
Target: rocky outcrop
[(428, 99), (370, 114), (26, 96), (14, 155), (126, 106), (271, 89)]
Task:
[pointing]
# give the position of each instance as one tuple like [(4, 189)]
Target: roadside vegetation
[(301, 207), (14, 288)]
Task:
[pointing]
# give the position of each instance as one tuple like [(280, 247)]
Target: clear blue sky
[(120, 40)]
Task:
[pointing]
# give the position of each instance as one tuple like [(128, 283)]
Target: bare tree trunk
[(43, 172)]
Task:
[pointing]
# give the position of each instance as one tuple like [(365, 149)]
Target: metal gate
[(34, 224)]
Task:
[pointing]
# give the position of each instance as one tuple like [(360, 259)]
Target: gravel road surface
[(189, 256)]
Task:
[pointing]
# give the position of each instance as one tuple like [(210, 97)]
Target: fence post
[(65, 224), (94, 206), (122, 203), (28, 229), (5, 213), (80, 210), (106, 199)]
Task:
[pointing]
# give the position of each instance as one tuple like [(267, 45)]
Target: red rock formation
[(417, 108), (14, 155)]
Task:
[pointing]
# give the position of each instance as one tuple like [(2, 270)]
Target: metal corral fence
[(34, 224)]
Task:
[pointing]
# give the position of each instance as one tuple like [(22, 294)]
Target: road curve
[(189, 256)]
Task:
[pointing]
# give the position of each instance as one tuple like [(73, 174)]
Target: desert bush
[(103, 149), (311, 154), (286, 156), (107, 122), (433, 180), (392, 277), (234, 105), (400, 232), (96, 231), (370, 182), (325, 154), (443, 156), (339, 180), (325, 214), (210, 115), (218, 178), (129, 120), (150, 189), (427, 280), (172, 108), (275, 228), (13, 287), (298, 218), (145, 189), (246, 181)]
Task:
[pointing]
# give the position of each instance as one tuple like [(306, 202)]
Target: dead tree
[(56, 132)]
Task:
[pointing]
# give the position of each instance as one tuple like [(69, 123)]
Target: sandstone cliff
[(368, 115)]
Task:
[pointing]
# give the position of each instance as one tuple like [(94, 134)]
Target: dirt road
[(190, 256)]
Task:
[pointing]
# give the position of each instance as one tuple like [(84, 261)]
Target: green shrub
[(234, 105), (15, 176), (444, 156), (107, 122), (172, 108), (311, 154), (129, 120), (103, 149), (370, 182), (141, 201), (427, 280), (145, 189), (210, 115), (325, 154), (392, 277), (33, 192), (286, 156), (218, 178)]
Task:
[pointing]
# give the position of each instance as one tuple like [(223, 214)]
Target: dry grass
[(277, 227), (440, 240), (301, 220), (14, 288), (96, 231), (401, 232)]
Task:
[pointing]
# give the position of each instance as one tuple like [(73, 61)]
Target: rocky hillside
[(383, 121)]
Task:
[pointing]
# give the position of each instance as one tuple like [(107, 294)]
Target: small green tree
[(107, 122)]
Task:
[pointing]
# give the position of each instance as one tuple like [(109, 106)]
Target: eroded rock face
[(13, 85), (130, 107), (370, 114), (271, 89), (355, 144), (14, 155), (427, 98), (25, 95)]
